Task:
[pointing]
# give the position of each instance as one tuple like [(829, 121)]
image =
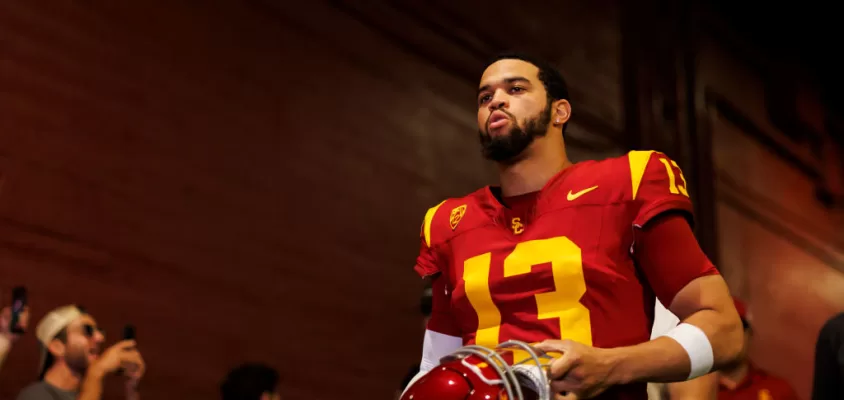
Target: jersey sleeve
[(429, 261), (442, 318), (658, 185), (668, 254), (432, 263)]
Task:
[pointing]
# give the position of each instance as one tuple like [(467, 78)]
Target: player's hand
[(581, 372), (121, 355), (6, 320)]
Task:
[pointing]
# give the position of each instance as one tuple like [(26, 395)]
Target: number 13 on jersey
[(562, 303)]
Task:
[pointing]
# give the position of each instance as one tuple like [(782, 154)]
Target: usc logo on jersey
[(517, 226), (456, 215)]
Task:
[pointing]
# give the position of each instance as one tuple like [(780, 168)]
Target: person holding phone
[(73, 366), (13, 322)]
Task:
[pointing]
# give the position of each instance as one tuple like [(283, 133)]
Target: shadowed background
[(245, 180)]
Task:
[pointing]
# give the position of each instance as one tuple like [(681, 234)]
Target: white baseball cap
[(50, 326)]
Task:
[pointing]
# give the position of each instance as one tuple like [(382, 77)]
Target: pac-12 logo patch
[(456, 215)]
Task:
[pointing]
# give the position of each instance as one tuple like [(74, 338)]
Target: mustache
[(511, 116)]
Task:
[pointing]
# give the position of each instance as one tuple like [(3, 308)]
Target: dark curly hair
[(555, 85)]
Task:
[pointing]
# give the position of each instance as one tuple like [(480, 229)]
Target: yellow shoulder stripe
[(638, 164), (429, 217)]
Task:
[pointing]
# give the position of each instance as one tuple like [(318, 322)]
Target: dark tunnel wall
[(245, 180), (241, 181)]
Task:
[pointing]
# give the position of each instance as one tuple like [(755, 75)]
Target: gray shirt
[(45, 391)]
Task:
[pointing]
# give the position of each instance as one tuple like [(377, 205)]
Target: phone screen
[(129, 332), (18, 305)]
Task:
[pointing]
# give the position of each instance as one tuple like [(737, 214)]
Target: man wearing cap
[(72, 366), (745, 380)]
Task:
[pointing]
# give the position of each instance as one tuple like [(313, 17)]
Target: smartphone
[(129, 332), (18, 305)]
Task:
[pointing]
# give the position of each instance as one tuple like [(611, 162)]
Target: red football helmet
[(512, 371)]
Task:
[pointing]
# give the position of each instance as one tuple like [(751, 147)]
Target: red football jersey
[(563, 270), (758, 385)]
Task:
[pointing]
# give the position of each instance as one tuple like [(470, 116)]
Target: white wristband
[(697, 346)]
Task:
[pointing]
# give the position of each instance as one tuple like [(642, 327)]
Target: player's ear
[(561, 112)]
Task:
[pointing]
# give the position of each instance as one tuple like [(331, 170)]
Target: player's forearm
[(666, 360), (725, 333), (659, 360)]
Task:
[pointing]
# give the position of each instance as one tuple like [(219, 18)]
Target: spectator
[(7, 338), (72, 366), (251, 382), (747, 381), (829, 361)]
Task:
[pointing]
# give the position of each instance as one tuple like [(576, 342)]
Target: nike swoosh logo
[(572, 196)]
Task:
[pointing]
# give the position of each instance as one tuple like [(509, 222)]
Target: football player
[(572, 256)]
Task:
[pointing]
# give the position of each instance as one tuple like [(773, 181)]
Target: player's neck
[(531, 172), (63, 378)]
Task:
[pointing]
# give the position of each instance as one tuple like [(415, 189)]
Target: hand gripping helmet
[(512, 371)]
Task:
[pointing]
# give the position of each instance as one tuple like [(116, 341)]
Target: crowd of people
[(73, 363)]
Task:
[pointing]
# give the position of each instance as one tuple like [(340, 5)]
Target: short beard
[(77, 361), (507, 148)]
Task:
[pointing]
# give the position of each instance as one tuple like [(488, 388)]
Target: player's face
[(83, 343), (513, 109)]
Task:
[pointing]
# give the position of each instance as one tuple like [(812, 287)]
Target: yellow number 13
[(562, 303), (673, 187)]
